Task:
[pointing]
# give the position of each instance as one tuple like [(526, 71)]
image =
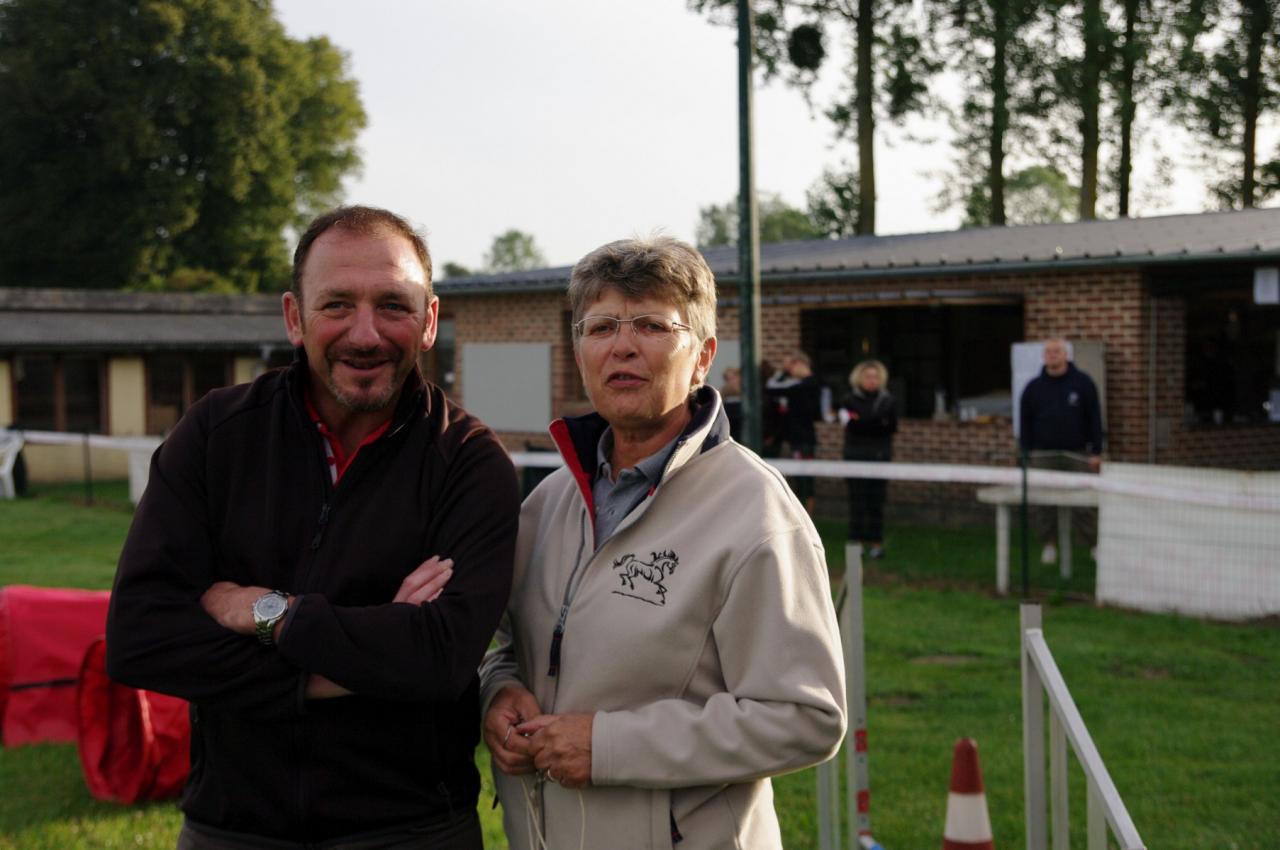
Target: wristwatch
[(269, 609)]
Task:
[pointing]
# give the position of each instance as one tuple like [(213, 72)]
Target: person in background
[(670, 642), (1061, 428), (771, 437), (731, 395), (870, 420), (799, 397)]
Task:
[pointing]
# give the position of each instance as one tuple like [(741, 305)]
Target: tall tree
[(513, 251), (779, 222), (1228, 77), (887, 77), (149, 140), (994, 47)]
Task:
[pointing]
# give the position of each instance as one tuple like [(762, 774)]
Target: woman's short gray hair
[(661, 268)]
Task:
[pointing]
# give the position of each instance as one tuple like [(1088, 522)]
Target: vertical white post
[(1096, 825), (1064, 541), (852, 627), (1058, 782), (1032, 736), (828, 783), (1002, 549)]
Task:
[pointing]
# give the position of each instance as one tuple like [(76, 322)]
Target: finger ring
[(507, 737), (552, 776)]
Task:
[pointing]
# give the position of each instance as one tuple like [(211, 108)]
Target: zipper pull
[(556, 637), (324, 518)]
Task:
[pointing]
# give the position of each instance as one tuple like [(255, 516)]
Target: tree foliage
[(1038, 194), (833, 202), (886, 78), (513, 251), (779, 222), (1228, 77), (148, 141)]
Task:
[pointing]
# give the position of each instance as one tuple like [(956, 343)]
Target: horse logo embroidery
[(643, 580)]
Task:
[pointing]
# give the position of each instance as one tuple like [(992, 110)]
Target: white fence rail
[(1104, 808), (954, 473), (139, 450)]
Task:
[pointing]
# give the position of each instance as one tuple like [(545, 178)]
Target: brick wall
[(1111, 307)]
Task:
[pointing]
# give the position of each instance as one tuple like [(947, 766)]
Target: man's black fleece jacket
[(1061, 413), (240, 491)]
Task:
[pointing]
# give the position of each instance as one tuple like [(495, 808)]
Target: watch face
[(270, 606)]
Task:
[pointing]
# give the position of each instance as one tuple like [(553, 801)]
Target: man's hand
[(1095, 463), (513, 705), (426, 583), (561, 745), (231, 605)]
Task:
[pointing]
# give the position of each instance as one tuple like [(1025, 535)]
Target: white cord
[(531, 817), (536, 837)]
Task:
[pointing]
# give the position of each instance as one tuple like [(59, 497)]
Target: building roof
[(1243, 235), (97, 320)]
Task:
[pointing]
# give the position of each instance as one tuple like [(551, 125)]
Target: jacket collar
[(577, 437)]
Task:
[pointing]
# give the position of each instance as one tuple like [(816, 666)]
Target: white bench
[(1064, 498)]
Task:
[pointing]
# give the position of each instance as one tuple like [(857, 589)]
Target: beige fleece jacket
[(703, 638)]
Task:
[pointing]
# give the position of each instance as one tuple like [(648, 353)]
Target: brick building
[(1189, 347), (1179, 311)]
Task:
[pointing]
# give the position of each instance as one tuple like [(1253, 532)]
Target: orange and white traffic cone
[(968, 825)]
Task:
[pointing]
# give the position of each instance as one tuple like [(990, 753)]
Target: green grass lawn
[(1185, 713)]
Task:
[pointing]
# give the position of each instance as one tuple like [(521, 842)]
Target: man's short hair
[(364, 221), (662, 268), (801, 356)]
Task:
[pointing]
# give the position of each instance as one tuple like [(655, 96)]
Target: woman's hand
[(426, 582), (513, 705), (561, 746)]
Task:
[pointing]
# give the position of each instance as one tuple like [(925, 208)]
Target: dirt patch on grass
[(895, 699)]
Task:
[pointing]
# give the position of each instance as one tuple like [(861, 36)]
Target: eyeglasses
[(651, 328)]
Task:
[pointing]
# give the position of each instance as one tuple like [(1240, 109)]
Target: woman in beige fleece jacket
[(670, 641)]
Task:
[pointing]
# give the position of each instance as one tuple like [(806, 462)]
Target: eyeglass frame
[(619, 322)]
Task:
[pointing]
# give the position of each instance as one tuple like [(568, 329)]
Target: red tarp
[(44, 633), (134, 745)]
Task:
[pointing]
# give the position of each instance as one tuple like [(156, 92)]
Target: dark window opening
[(59, 393), (177, 381), (937, 356), (1232, 359), (37, 394)]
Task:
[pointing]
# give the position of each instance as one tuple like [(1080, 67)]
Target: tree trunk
[(866, 121), (1090, 95), (1128, 108), (999, 109), (1257, 21)]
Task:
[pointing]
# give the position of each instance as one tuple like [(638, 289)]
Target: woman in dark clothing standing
[(870, 420)]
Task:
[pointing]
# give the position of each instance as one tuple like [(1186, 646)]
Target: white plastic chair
[(10, 445)]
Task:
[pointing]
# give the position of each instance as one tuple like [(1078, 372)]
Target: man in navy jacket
[(1060, 417), (1060, 410)]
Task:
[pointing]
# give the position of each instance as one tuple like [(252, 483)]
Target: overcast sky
[(581, 121)]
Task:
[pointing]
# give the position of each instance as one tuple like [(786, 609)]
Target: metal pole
[(748, 241), (88, 472), (1026, 531)]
